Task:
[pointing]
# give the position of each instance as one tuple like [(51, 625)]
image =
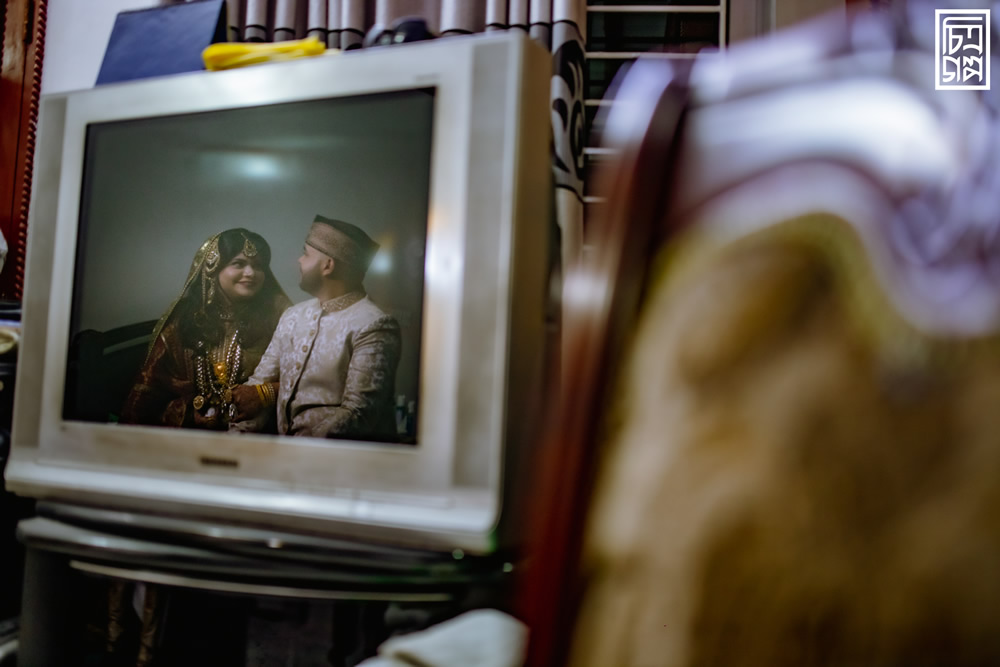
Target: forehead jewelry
[(249, 249)]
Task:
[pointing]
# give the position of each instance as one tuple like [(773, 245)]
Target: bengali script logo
[(962, 49)]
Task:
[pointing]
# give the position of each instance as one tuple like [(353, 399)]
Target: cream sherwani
[(335, 363)]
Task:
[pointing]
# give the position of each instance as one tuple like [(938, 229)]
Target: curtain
[(540, 23), (333, 24), (267, 20), (568, 127), (517, 15), (461, 17), (316, 19), (496, 15), (558, 25)]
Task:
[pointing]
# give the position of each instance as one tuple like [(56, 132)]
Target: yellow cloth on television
[(228, 55)]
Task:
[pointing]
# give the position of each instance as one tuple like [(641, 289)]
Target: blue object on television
[(162, 40)]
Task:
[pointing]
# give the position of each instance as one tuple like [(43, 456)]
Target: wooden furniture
[(20, 85), (601, 303)]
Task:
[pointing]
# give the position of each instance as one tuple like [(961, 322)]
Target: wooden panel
[(11, 87), (20, 82), (601, 298)]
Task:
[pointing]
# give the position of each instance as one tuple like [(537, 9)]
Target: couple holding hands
[(233, 353)]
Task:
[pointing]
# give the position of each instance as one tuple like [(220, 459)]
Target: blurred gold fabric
[(793, 475)]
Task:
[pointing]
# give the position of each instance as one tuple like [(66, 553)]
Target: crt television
[(439, 151)]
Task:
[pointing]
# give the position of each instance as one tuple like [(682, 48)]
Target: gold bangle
[(266, 393)]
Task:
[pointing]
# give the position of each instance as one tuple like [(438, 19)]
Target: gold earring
[(207, 287), (212, 255)]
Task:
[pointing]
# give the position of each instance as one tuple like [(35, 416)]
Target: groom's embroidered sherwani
[(335, 363)]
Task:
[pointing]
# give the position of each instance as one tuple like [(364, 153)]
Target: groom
[(330, 369)]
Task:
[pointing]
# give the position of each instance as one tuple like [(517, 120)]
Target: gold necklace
[(215, 381)]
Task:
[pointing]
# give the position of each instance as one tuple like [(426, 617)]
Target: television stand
[(73, 551)]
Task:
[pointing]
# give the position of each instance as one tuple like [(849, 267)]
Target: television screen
[(198, 231)]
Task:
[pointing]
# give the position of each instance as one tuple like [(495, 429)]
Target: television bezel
[(483, 330)]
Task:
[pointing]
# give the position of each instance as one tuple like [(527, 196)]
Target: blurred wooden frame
[(20, 86), (602, 299)]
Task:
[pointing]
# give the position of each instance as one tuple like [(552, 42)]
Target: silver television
[(438, 150)]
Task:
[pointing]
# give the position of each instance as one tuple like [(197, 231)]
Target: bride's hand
[(246, 402)]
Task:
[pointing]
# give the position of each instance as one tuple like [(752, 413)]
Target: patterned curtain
[(556, 24), (568, 126)]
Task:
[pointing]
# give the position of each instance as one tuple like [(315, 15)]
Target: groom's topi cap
[(342, 241)]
